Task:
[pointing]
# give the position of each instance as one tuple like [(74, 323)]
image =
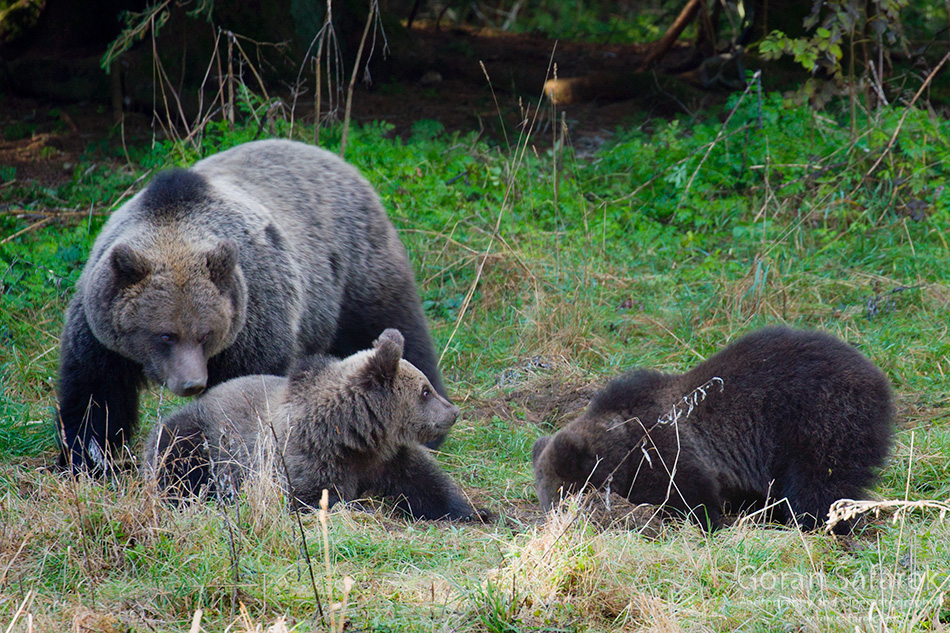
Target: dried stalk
[(373, 8)]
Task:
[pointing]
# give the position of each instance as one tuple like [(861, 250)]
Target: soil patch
[(545, 392)]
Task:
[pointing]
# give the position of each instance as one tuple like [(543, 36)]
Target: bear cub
[(351, 426), (779, 414)]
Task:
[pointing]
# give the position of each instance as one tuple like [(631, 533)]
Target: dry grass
[(557, 569)]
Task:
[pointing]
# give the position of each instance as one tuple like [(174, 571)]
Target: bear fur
[(778, 414), (350, 426), (240, 265)]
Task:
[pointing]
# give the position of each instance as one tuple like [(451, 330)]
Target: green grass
[(675, 238)]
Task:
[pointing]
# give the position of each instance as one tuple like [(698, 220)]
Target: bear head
[(168, 305), (563, 465), (596, 448), (401, 395), (371, 403)]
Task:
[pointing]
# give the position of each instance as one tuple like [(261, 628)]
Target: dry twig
[(847, 509), (897, 131)]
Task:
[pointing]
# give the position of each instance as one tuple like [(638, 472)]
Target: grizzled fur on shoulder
[(174, 192), (780, 414), (350, 426), (251, 259)]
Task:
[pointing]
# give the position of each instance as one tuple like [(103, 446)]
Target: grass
[(675, 238)]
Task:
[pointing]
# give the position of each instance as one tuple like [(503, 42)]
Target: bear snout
[(442, 420), (188, 371), (187, 387), (450, 416)]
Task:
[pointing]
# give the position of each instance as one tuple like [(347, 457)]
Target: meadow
[(544, 272)]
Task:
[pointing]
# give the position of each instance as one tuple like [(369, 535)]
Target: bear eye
[(204, 338), (425, 393), (167, 338)]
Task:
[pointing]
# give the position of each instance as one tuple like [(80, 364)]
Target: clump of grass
[(564, 572), (247, 624), (554, 576)]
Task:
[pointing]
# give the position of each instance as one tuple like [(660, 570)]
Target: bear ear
[(222, 260), (570, 456), (539, 445), (384, 362), (128, 265), (393, 335)]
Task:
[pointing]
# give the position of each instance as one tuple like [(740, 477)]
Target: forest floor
[(466, 80)]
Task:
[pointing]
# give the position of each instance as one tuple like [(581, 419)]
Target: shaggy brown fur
[(352, 426), (251, 259), (778, 414)]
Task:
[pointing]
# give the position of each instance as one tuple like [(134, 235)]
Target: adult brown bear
[(250, 259), (351, 426), (778, 414)]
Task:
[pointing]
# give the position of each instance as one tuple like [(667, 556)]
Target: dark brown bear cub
[(351, 426), (778, 414)]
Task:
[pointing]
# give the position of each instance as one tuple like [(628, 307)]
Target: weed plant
[(543, 275)]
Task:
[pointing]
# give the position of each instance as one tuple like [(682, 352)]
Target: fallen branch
[(32, 227), (52, 214), (610, 86), (620, 86), (663, 45)]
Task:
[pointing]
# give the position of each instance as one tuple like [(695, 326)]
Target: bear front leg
[(421, 489), (98, 398), (809, 493), (696, 495)]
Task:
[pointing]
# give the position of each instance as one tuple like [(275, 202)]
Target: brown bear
[(780, 414), (350, 426), (240, 265)]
